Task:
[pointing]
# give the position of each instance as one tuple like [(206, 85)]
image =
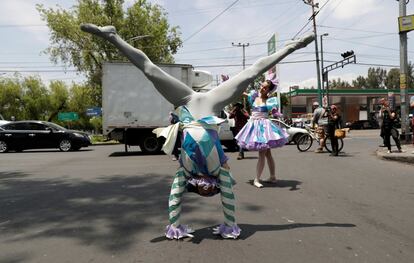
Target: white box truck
[(132, 107)]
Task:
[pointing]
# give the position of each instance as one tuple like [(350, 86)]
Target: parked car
[(362, 124), (21, 135), (2, 120), (294, 132)]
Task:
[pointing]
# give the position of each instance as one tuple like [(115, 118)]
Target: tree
[(35, 99), (339, 84), (79, 101), (58, 98), (87, 53), (359, 83), (11, 98), (376, 78), (392, 81)]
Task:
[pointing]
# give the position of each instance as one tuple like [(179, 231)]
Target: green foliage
[(339, 84), (392, 80), (359, 83), (29, 99), (96, 123), (87, 53), (376, 78)]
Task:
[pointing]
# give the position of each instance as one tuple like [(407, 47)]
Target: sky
[(208, 28)]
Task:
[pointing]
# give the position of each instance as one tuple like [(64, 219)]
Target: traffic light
[(347, 54)]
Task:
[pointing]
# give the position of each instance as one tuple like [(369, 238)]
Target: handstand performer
[(204, 166)]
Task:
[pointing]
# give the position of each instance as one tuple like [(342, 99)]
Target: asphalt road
[(101, 205)]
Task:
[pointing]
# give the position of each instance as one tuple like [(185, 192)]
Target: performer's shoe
[(228, 232), (99, 31), (302, 42), (181, 231), (257, 183)]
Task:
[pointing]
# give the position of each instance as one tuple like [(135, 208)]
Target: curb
[(103, 144), (405, 157)]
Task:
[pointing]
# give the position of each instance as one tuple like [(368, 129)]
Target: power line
[(238, 65), (211, 21), (360, 30)]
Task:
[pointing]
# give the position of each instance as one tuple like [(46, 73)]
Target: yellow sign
[(403, 81), (406, 23)]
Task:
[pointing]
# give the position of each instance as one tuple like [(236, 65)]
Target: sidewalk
[(406, 156)]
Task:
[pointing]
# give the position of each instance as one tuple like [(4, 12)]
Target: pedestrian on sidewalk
[(380, 122), (390, 119), (240, 116)]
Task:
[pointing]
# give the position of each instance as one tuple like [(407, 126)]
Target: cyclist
[(320, 117)]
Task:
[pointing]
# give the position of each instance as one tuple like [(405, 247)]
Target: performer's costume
[(200, 171), (202, 157), (260, 133)]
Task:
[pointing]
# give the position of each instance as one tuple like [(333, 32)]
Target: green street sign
[(271, 45), (68, 116)]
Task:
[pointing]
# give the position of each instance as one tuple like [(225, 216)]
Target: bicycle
[(306, 140)]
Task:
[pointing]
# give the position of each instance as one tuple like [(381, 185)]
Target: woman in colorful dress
[(260, 134), (203, 166)]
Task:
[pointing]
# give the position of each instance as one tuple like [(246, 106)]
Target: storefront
[(354, 105)]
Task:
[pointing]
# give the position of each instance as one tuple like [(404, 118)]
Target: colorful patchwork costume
[(201, 171), (202, 161)]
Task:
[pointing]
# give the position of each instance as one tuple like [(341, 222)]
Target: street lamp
[(323, 75)]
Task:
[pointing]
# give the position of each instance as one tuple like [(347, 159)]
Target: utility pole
[(403, 76), (318, 70), (244, 52), (244, 45), (324, 77)]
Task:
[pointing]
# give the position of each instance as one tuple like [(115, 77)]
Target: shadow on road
[(248, 230), (107, 213), (133, 153), (293, 184)]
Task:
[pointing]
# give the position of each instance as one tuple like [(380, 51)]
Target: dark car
[(362, 124), (21, 135)]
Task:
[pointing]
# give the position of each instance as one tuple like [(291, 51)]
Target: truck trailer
[(132, 107)]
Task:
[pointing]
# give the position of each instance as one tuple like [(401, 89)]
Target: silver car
[(294, 133)]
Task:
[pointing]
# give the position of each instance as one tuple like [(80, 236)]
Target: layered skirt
[(260, 133)]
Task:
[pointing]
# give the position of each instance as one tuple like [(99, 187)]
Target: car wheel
[(65, 145), (3, 147)]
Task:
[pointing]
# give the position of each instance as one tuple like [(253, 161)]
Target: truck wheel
[(150, 144)]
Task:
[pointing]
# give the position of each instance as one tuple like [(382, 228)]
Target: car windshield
[(55, 126), (281, 123)]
